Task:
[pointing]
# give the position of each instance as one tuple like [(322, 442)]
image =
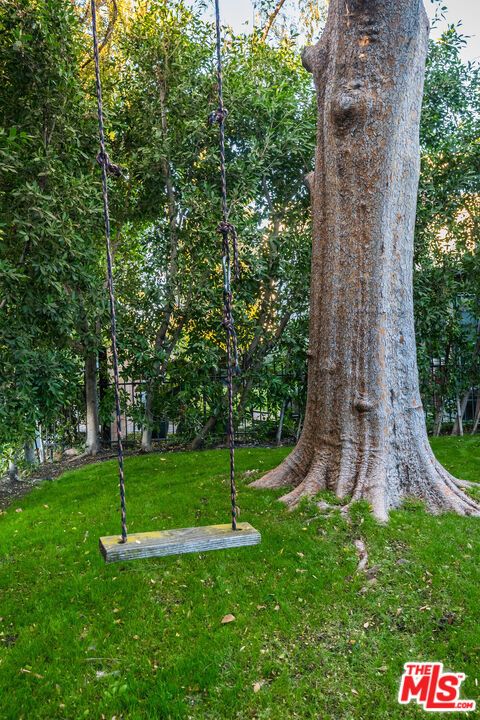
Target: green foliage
[(49, 253), (448, 214), (158, 72), (145, 639), (168, 273)]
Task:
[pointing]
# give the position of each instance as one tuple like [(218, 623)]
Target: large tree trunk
[(364, 434), (91, 404)]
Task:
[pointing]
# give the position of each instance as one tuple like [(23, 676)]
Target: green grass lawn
[(311, 639)]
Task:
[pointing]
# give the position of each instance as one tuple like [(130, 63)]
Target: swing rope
[(229, 248), (229, 258), (108, 168)]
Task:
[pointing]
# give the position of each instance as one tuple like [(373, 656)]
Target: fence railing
[(272, 412)]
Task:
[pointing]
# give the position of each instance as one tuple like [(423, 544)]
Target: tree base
[(309, 474)]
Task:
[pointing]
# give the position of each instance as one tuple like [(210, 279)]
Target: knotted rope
[(229, 249), (108, 168)]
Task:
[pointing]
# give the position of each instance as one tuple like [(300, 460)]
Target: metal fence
[(272, 413), (261, 417)]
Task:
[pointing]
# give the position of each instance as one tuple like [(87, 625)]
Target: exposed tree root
[(366, 479), (362, 555), (290, 470), (467, 484)]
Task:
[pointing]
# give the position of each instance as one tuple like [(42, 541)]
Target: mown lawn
[(311, 639)]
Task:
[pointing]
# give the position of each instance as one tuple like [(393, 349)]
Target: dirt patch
[(12, 490)]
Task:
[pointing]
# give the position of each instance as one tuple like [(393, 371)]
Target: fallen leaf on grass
[(104, 673), (228, 619), (30, 672), (258, 686)]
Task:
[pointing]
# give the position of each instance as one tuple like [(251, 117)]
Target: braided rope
[(108, 168), (229, 246)]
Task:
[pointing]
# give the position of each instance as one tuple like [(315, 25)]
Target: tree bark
[(39, 447), (29, 452), (437, 426), (457, 428), (280, 422), (147, 430), (103, 383), (13, 471), (207, 428), (271, 19), (440, 396), (476, 420), (364, 434), (91, 402)]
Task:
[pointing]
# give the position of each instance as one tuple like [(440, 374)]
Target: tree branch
[(108, 33), (271, 20)]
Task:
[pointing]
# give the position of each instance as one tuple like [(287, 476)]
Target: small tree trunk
[(39, 445), (459, 418), (207, 428), (12, 471), (461, 407), (437, 427), (477, 417), (244, 397), (280, 422), (299, 427), (364, 434), (91, 403), (103, 384), (29, 452), (147, 428)]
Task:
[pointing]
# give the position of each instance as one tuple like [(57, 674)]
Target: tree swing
[(184, 540)]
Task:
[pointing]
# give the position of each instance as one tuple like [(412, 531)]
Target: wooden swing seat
[(177, 542)]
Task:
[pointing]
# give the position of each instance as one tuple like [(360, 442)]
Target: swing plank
[(177, 542)]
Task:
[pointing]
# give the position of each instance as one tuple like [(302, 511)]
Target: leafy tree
[(49, 254), (448, 212)]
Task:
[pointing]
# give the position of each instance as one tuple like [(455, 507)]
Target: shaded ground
[(11, 490), (312, 637)]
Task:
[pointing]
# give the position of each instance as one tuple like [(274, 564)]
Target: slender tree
[(364, 434)]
